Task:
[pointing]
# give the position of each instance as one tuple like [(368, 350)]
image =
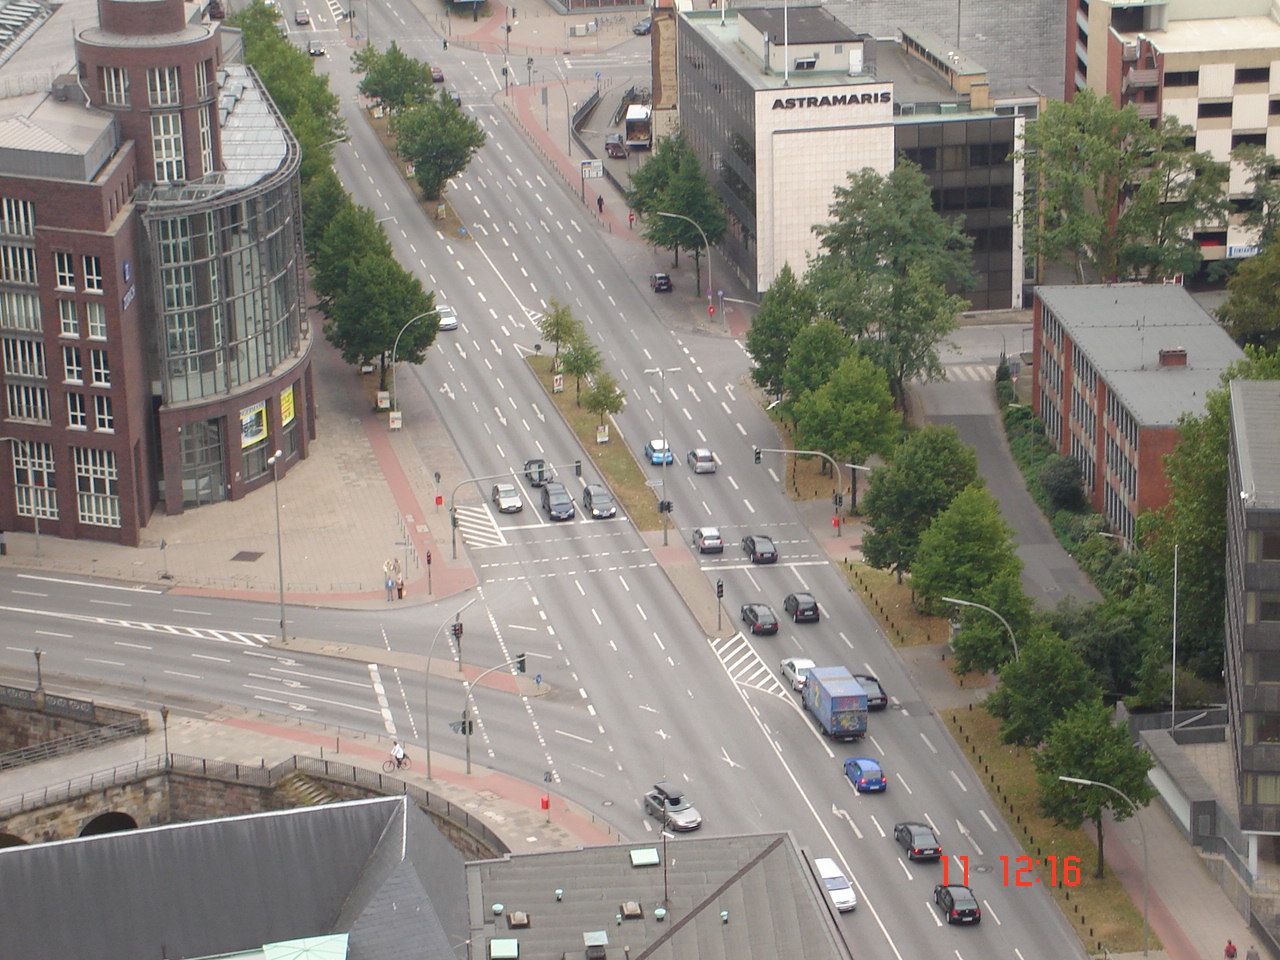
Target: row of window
[(1050, 371), (1051, 417), (31, 403), (1121, 467), (73, 369), (997, 197), (959, 156), (1051, 328), (1264, 545), (1082, 453), (97, 483), (1191, 78), (1082, 370), (1119, 415), (1082, 413), (1116, 509), (25, 358), (64, 272), (164, 88), (20, 312), (1261, 607)]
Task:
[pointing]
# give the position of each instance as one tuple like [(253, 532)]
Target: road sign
[(557, 383), (591, 169), (394, 422)]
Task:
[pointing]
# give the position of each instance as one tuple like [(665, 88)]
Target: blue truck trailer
[(837, 702)]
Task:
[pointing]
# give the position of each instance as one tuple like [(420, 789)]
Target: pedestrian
[(1252, 954), (391, 588), (400, 587), (600, 203), (445, 41), (1229, 952)]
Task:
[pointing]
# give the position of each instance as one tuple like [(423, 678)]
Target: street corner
[(673, 553), (847, 547)]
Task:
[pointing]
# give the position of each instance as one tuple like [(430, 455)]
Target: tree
[(1037, 690), (927, 470), (851, 416), (650, 181), (604, 398), (1118, 197), (815, 353), (394, 77), (559, 326), (1113, 638), (1060, 477), (323, 198), (966, 547), (353, 233), (438, 139), (688, 194), (1086, 744), (1263, 210), (378, 299), (785, 309), (581, 359), (1252, 311), (982, 642)]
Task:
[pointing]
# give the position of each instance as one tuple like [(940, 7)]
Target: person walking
[(391, 589), (400, 587), (600, 203), (1252, 954), (1229, 951)]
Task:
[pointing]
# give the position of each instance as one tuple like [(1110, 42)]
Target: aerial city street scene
[(681, 479)]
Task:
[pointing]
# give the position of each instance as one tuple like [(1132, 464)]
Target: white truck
[(639, 126)]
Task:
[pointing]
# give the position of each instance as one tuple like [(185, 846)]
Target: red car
[(437, 75)]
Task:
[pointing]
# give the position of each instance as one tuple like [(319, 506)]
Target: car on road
[(669, 806), (448, 318), (615, 146), (795, 670), (760, 618), (437, 75), (877, 699), (536, 471), (557, 502), (957, 903), (918, 839), (801, 608), (315, 48), (661, 282), (838, 888), (701, 460), (759, 548), (643, 28), (506, 498), (658, 452), (302, 18), (708, 540), (455, 97), (598, 502), (866, 775)]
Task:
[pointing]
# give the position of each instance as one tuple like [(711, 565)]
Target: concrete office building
[(1114, 366), (780, 110), (155, 348)]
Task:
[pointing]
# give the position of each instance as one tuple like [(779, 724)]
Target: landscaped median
[(616, 463), (890, 603)]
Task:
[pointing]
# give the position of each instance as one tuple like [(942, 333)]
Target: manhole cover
[(246, 556), (982, 868)]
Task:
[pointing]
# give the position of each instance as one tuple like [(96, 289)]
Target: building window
[(115, 86), (1261, 668), (96, 314), (73, 369), (162, 86), (64, 271), (68, 322), (166, 147), (17, 265), (1262, 788), (203, 70), (20, 310), (806, 63), (17, 217), (24, 358), (27, 402), (206, 142), (33, 480), (93, 274), (97, 497), (101, 369), (1261, 728), (76, 418), (1248, 140), (1209, 110), (1182, 78), (1253, 74), (102, 416), (1270, 544), (1268, 607)]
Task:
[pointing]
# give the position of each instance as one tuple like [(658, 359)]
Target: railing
[(71, 744), (79, 787)]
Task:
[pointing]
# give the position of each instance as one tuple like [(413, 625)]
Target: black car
[(801, 608), (759, 548), (957, 903), (315, 48), (615, 146), (877, 699), (643, 28), (759, 618), (536, 472), (660, 282), (918, 839), (597, 502), (557, 502)]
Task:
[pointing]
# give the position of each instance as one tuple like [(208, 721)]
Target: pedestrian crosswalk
[(478, 528), (745, 667), (970, 372)]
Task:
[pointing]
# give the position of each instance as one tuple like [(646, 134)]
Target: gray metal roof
[(803, 25), (775, 907), (1255, 424), (1121, 328), (376, 869)]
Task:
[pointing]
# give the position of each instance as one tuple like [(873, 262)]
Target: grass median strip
[(890, 603)]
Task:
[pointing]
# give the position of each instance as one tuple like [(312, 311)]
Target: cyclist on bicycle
[(398, 754)]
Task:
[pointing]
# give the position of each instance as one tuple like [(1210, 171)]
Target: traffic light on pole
[(757, 452), (457, 630), (577, 468), (521, 663), (720, 589)]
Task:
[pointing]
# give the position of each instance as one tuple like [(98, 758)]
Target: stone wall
[(24, 727), (145, 800)]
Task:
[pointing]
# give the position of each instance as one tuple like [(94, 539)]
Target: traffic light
[(664, 506), (577, 468), (837, 500), (720, 589), (453, 517), (457, 630), (521, 663), (466, 726), (757, 453), (428, 558)]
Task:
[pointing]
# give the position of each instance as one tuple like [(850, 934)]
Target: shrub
[(1060, 477), (1005, 394), (1002, 370)]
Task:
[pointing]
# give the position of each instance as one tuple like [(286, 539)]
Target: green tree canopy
[(1038, 689), (927, 470), (1252, 311), (394, 77), (687, 194), (377, 300), (323, 198), (982, 642), (786, 308), (966, 547), (604, 398), (438, 139), (650, 180), (851, 416), (581, 359), (815, 353), (1086, 744), (1113, 637), (559, 326), (350, 230), (1263, 209)]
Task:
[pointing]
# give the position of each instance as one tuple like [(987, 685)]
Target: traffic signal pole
[(426, 686), (835, 473), (520, 661)]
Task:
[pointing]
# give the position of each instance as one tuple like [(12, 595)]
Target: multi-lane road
[(636, 690)]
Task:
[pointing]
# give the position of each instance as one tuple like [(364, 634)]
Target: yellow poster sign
[(286, 407)]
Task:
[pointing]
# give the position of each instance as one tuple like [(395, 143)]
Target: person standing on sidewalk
[(1229, 951), (391, 588), (1252, 954), (400, 587)]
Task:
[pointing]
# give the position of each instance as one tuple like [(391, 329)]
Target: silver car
[(701, 460), (448, 318), (666, 804), (506, 498), (796, 671)]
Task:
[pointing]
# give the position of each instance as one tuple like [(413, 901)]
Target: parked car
[(658, 452), (759, 548), (448, 317), (666, 804), (801, 607), (557, 502), (957, 903), (918, 839), (315, 48), (660, 282), (302, 18), (598, 502), (795, 670), (455, 97), (760, 618), (837, 885), (437, 75), (708, 540), (866, 775), (643, 28), (506, 498), (877, 699), (701, 460), (615, 146), (537, 472)]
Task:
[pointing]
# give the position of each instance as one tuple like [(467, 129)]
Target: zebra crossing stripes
[(478, 528), (745, 667), (970, 371)]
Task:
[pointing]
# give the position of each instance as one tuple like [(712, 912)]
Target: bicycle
[(392, 765)]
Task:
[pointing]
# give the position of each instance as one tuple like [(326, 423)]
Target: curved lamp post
[(681, 216), (982, 606), (274, 461), (395, 397), (426, 686)]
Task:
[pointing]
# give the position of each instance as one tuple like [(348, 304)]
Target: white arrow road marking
[(663, 734), (844, 815), (724, 755), (964, 832), (541, 416)]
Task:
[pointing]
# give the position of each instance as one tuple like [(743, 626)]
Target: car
[(708, 540), (838, 888), (643, 28), (302, 18), (877, 699), (315, 48), (455, 97), (537, 472), (801, 607), (598, 502), (866, 775), (506, 498), (760, 618), (660, 282), (437, 75), (557, 502), (759, 548), (957, 903), (796, 671), (918, 839), (448, 318), (666, 804), (658, 452), (615, 146), (701, 460)]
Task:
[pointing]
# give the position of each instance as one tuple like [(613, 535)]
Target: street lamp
[(395, 397), (1125, 542), (426, 686), (274, 461), (466, 699), (342, 139), (1083, 782), (681, 216), (37, 493), (568, 133), (854, 468), (39, 676), (982, 606), (666, 448)]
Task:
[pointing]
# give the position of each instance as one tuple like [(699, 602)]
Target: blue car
[(658, 452), (866, 775)]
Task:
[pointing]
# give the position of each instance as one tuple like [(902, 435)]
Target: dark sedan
[(957, 903), (801, 607), (877, 699), (759, 548), (759, 618)]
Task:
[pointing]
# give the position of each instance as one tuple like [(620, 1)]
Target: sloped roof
[(1255, 423), (368, 867)]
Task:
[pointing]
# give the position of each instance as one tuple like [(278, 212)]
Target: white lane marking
[(879, 829), (194, 613), (189, 676), (135, 646), (205, 656), (86, 583), (748, 503), (29, 593), (643, 616), (111, 603), (904, 868), (732, 482), (847, 643), (574, 736), (992, 914), (109, 663), (959, 782), (927, 743), (983, 815), (53, 633), (904, 784)]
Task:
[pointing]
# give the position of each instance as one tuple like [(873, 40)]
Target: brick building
[(155, 349), (1114, 366)]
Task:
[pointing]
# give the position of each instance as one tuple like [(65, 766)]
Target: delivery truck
[(639, 127), (837, 702)]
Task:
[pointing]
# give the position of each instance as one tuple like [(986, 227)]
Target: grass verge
[(614, 461), (1099, 911), (890, 603)]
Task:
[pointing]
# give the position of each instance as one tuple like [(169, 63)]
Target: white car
[(507, 498), (837, 885), (796, 671), (448, 318)]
